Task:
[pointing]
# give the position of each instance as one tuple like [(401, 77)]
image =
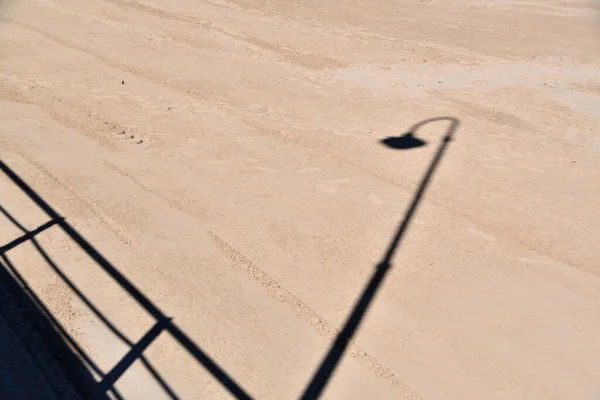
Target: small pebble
[(122, 82)]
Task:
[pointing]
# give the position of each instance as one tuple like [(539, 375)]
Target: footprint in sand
[(338, 181), (308, 170), (481, 235), (537, 260), (265, 169), (326, 186), (133, 139), (533, 169), (375, 200)]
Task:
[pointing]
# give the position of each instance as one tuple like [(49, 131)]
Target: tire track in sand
[(280, 294), (96, 127), (129, 69), (114, 227), (314, 320), (288, 53), (230, 105)]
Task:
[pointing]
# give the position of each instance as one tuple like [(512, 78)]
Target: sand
[(226, 157)]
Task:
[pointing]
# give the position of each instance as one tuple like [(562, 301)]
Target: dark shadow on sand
[(337, 350), (70, 350)]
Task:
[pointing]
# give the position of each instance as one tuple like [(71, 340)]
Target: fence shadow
[(162, 322), (41, 362)]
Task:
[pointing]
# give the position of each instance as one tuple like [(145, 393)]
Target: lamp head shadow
[(404, 142), (409, 141)]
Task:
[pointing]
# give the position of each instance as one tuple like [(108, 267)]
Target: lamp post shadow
[(323, 374)]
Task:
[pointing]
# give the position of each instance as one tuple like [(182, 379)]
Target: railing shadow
[(162, 322), (325, 371), (39, 347)]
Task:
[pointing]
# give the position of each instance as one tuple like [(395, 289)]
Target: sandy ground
[(250, 198)]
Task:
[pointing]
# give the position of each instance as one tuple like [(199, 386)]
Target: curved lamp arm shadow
[(454, 123)]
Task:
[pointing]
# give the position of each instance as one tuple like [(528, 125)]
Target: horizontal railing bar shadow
[(31, 237), (323, 374), (163, 323), (135, 353), (27, 236)]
